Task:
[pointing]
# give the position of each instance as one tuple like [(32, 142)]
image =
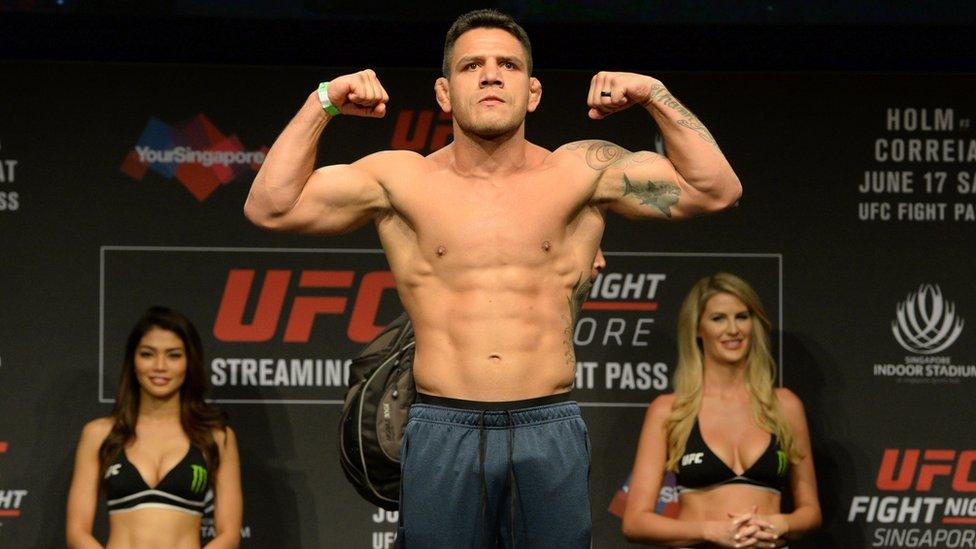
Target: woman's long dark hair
[(198, 418)]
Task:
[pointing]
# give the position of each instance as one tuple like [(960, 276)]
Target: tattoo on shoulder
[(641, 158), (690, 121), (660, 194), (599, 154)]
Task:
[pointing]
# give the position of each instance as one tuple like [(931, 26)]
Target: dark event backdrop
[(856, 227)]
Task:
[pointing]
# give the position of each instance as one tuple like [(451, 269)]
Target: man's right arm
[(289, 195)]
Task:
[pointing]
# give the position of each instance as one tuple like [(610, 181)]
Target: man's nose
[(490, 76)]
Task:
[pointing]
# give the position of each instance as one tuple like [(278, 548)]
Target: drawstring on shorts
[(513, 482)]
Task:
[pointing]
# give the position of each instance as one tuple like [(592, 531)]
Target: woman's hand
[(765, 530), (734, 532)]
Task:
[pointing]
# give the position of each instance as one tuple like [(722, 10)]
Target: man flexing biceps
[(491, 240)]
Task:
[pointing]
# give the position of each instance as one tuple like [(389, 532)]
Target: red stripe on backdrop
[(620, 306)]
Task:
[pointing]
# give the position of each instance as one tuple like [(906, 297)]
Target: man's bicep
[(643, 185), (337, 199)]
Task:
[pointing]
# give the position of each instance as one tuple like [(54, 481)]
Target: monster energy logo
[(783, 463), (199, 479)]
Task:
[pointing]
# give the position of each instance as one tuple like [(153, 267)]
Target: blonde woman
[(734, 441)]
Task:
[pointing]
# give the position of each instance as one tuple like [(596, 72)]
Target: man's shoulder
[(595, 153), (397, 157), (581, 146), (393, 164)]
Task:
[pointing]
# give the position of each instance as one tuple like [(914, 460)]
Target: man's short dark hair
[(484, 19)]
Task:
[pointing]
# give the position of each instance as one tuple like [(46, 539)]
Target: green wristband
[(327, 105)]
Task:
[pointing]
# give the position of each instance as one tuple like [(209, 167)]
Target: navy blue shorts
[(489, 474)]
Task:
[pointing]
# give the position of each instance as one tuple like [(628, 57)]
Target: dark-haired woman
[(734, 441), (160, 452)]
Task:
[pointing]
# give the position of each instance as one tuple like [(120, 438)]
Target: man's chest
[(492, 212)]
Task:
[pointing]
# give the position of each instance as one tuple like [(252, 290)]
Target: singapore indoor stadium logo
[(925, 322)]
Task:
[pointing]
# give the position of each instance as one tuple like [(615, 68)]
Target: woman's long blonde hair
[(688, 376)]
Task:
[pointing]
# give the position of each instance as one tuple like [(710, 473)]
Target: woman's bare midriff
[(154, 528), (717, 503)]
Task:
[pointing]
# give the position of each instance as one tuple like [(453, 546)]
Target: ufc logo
[(231, 326), (935, 463), (695, 458), (413, 131)]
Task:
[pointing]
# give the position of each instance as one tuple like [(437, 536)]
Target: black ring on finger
[(604, 93)]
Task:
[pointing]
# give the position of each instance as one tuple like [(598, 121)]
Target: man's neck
[(477, 157)]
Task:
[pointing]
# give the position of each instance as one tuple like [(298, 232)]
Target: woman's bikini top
[(700, 468), (184, 487)]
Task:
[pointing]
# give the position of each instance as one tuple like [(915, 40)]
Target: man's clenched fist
[(359, 94)]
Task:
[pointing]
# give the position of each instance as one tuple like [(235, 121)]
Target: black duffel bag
[(374, 414)]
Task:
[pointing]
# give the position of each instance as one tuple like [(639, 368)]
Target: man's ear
[(443, 93), (535, 93)]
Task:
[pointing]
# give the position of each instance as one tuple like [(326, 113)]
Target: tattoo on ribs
[(660, 194), (580, 289), (569, 355), (575, 299), (690, 121)]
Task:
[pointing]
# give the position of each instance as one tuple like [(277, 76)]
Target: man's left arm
[(694, 178)]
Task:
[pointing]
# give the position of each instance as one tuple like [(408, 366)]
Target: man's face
[(490, 90)]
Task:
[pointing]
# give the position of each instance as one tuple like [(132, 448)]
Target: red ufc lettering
[(960, 481), (417, 139), (936, 463), (886, 479), (305, 309), (230, 325), (362, 325), (929, 471)]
